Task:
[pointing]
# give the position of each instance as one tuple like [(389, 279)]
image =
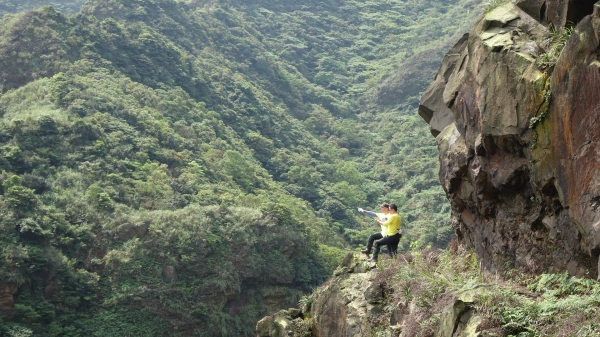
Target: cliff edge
[(518, 136), (362, 300), (439, 293)]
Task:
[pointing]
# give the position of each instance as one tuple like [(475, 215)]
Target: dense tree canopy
[(185, 167), (65, 6)]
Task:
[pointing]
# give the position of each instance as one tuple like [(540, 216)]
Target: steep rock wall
[(518, 144)]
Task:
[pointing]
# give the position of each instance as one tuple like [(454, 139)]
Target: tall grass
[(427, 279)]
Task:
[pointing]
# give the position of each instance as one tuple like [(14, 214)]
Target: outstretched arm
[(367, 212)]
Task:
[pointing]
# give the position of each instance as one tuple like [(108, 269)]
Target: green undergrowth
[(186, 167), (510, 304)]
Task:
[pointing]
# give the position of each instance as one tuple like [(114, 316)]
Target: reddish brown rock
[(522, 197), (557, 12), (575, 119)]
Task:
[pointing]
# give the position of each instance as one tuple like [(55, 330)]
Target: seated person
[(383, 216), (391, 237)]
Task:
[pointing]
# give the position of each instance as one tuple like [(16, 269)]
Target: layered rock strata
[(519, 144)]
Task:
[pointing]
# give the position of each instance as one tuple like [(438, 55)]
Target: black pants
[(390, 241), (372, 238)]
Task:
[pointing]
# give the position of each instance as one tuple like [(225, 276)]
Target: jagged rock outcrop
[(519, 145), (344, 304), (340, 307), (352, 304)]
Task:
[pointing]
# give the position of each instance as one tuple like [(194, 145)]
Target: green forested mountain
[(183, 168), (65, 6)]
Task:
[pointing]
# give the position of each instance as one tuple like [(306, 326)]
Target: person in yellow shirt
[(391, 235), (383, 216)]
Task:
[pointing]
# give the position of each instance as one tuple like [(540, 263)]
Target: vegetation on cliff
[(435, 292), (511, 303), (184, 168)]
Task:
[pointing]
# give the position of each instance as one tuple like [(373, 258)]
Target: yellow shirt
[(392, 225), (383, 217)]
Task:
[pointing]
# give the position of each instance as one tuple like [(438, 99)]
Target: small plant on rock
[(545, 108), (305, 302), (551, 47)]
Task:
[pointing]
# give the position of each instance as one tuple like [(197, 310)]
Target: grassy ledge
[(512, 303)]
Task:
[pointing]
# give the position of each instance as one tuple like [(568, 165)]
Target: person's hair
[(385, 204), (394, 207)]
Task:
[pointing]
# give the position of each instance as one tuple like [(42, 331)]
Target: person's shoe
[(365, 251), (372, 260)]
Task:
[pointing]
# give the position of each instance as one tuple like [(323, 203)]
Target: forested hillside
[(65, 6), (183, 168)]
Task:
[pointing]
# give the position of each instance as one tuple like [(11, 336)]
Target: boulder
[(128, 231), (374, 293), (294, 313), (169, 273)]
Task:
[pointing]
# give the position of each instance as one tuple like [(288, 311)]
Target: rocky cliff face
[(519, 144)]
